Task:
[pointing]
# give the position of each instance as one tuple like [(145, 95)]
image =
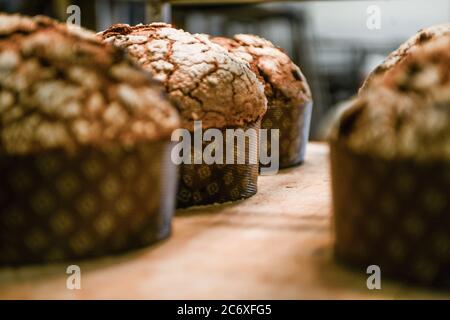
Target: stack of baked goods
[(218, 87), (390, 160), (87, 122)]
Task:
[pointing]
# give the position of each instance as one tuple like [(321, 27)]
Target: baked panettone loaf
[(390, 159), (206, 83), (288, 95), (78, 118)]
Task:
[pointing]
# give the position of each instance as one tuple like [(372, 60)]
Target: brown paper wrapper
[(204, 184), (394, 214), (56, 206), (293, 123)]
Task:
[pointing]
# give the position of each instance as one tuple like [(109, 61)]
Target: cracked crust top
[(412, 44), (284, 83), (202, 78), (406, 112), (61, 87)]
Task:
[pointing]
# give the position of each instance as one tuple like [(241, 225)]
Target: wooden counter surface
[(275, 245)]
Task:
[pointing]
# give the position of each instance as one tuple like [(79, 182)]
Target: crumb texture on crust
[(406, 112), (203, 80), (61, 87), (412, 44), (284, 83)]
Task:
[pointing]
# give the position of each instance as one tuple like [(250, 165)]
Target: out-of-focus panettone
[(406, 111), (60, 87), (204, 81), (84, 146), (412, 44), (288, 95), (390, 168)]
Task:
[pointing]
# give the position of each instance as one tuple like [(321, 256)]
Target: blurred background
[(335, 43)]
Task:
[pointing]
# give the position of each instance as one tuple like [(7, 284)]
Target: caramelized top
[(406, 111), (202, 78), (284, 83), (61, 87)]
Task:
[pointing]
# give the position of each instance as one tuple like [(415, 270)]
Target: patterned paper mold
[(390, 165), (60, 206), (206, 83), (288, 95), (84, 148), (204, 184), (394, 214)]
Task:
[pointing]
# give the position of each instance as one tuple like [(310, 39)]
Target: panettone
[(84, 148), (207, 84), (390, 160), (288, 95)]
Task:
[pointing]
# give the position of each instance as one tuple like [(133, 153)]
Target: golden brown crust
[(61, 87), (284, 83), (406, 112), (202, 78), (412, 44)]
